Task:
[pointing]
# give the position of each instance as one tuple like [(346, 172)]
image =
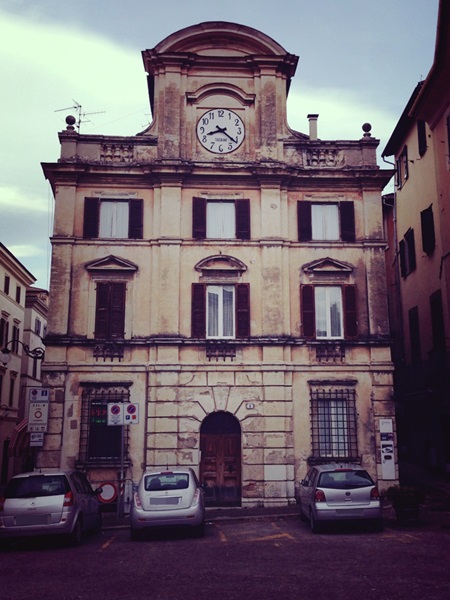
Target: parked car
[(338, 492), (171, 498), (49, 502)]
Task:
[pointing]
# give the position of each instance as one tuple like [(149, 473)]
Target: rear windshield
[(342, 480), (37, 485), (166, 481)]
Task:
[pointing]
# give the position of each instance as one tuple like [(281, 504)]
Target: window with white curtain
[(329, 312), (113, 219), (220, 311), (325, 221), (221, 220)]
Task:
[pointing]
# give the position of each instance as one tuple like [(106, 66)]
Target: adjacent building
[(418, 259), (219, 280)]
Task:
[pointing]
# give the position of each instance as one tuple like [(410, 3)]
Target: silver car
[(49, 502), (166, 499), (338, 492)]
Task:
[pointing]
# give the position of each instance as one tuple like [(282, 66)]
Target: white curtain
[(220, 307), (113, 220), (325, 222), (220, 220)]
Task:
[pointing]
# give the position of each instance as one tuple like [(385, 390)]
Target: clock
[(220, 130)]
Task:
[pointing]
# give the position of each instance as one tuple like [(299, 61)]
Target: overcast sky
[(359, 61)]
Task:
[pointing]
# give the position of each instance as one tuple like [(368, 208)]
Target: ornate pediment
[(111, 263), (327, 265), (220, 264)]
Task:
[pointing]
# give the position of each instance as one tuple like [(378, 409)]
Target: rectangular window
[(100, 443), (110, 310), (422, 137), (18, 294), (12, 385), (220, 219), (428, 235), (37, 326), (4, 332), (414, 334), (326, 221), (113, 219), (6, 284), (407, 249), (15, 339), (333, 424), (402, 168), (220, 311), (329, 312)]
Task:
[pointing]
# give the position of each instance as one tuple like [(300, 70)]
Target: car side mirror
[(98, 491)]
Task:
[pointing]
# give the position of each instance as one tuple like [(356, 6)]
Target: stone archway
[(220, 463)]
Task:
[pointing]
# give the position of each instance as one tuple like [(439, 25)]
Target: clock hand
[(224, 130)]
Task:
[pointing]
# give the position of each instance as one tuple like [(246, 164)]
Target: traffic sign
[(38, 417), (39, 394), (123, 413), (115, 413), (131, 413)]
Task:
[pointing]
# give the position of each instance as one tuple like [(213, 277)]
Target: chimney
[(313, 127)]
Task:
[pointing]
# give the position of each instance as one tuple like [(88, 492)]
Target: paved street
[(260, 558)]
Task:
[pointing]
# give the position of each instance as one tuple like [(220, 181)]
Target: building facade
[(22, 307), (223, 277), (419, 260)]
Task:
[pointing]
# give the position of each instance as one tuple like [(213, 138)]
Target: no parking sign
[(123, 413)]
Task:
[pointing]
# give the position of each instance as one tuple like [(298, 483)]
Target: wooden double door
[(220, 465)]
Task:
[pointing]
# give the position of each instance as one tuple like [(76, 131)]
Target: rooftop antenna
[(80, 114)]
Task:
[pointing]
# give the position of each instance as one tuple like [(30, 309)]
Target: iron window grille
[(333, 425), (101, 443)]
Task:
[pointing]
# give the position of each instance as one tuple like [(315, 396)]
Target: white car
[(339, 492), (171, 498)]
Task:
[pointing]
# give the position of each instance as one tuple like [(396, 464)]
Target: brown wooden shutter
[(347, 214), (308, 311), (350, 320), (135, 221), (428, 235), (243, 219), (304, 221), (110, 311), (243, 310), (102, 311), (402, 251), (198, 311), (199, 218), (117, 310), (91, 218)]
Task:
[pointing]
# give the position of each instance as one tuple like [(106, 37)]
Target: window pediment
[(111, 263), (220, 264), (327, 266)]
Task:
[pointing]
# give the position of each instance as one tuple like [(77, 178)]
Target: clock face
[(220, 130)]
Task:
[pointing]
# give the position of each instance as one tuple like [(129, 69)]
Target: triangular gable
[(111, 263), (327, 265)]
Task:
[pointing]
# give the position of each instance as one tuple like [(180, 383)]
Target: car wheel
[(314, 525), (76, 535)]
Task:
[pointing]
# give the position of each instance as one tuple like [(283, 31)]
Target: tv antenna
[(81, 116)]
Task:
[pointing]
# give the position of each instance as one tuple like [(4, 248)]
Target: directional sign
[(38, 417)]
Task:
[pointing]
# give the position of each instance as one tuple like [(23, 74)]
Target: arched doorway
[(220, 464)]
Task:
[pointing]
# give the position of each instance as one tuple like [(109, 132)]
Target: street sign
[(131, 413), (39, 394), (38, 417), (36, 439), (115, 413), (123, 413)]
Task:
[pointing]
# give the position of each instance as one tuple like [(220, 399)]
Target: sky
[(359, 61)]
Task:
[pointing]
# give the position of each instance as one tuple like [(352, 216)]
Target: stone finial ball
[(366, 127), (70, 120)]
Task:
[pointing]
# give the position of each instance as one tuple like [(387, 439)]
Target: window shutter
[(243, 219), (428, 235), (411, 249), (402, 250), (347, 214), (198, 311), (350, 322), (117, 310), (135, 221), (91, 218), (102, 311), (243, 310), (308, 311), (304, 221), (437, 323), (421, 137), (199, 218)]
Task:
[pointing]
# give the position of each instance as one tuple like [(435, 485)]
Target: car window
[(345, 479), (36, 486), (81, 483), (166, 481)]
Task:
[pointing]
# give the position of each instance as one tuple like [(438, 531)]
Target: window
[(18, 294), (110, 310), (12, 385), (220, 219), (428, 235), (329, 312), (37, 326), (326, 221), (220, 311), (333, 424), (407, 249), (402, 167), (4, 332), (422, 137), (15, 339), (437, 323), (114, 219), (6, 284), (100, 442), (414, 334)]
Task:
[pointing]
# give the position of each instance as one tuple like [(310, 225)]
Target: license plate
[(164, 501), (31, 520)]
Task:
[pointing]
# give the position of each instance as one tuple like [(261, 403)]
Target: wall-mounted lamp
[(5, 354)]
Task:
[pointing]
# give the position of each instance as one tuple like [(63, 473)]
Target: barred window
[(101, 443), (333, 423)]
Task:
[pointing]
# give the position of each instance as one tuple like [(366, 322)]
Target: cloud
[(14, 199)]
